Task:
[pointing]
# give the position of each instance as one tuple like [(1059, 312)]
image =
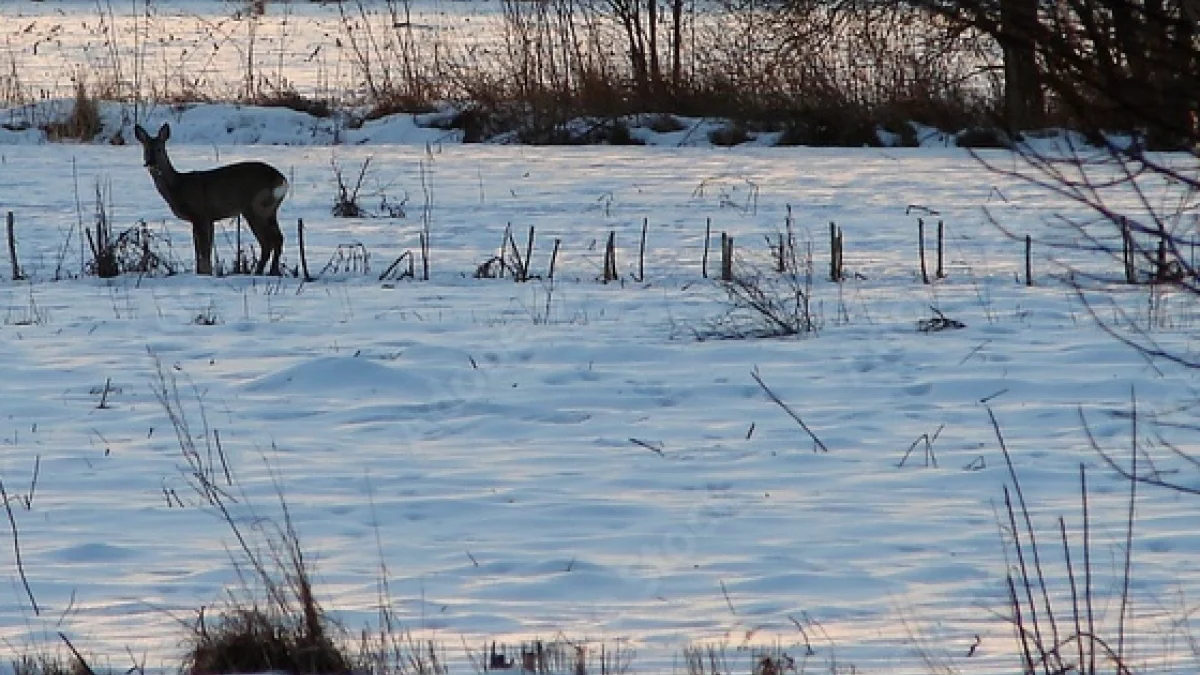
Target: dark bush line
[(818, 73), (564, 120)]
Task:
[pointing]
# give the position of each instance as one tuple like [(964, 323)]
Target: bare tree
[(1098, 65), (1124, 72)]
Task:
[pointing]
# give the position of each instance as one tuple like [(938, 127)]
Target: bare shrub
[(982, 137), (137, 250), (939, 322), (83, 122), (760, 304), (49, 664), (1061, 634), (12, 90), (664, 123), (763, 305), (829, 70), (720, 659), (345, 203), (278, 628), (729, 135), (348, 259), (824, 125), (257, 640), (398, 64), (560, 655), (292, 100)]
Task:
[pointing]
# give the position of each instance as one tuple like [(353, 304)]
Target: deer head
[(154, 149)]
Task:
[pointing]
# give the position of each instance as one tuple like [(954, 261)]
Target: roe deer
[(253, 190)]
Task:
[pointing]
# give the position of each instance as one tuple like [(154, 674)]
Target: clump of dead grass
[(278, 626), (292, 100), (256, 640), (83, 122), (47, 664)]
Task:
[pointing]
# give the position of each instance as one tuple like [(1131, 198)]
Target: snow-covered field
[(542, 458), (568, 458)]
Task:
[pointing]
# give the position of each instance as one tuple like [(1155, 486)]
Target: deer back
[(245, 188)]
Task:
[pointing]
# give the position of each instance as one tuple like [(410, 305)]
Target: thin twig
[(808, 650), (80, 661), (788, 410), (728, 601), (1019, 626), (1087, 569), (221, 456), (37, 466), (1133, 469), (12, 521), (1019, 548), (1062, 526), (648, 446), (1033, 545)]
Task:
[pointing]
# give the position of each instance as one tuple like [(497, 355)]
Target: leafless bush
[(83, 122), (12, 90), (1061, 632), (561, 655), (730, 134), (280, 627), (763, 304), (398, 63), (258, 639), (715, 659), (345, 203), (939, 322), (104, 262), (348, 259), (56, 663), (823, 73), (833, 73), (137, 250), (769, 306), (291, 99)]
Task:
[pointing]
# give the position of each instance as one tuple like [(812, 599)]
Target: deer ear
[(164, 132), (140, 133)]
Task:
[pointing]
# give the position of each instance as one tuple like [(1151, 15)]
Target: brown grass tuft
[(256, 641), (84, 121)]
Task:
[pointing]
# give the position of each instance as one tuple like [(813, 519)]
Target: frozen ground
[(492, 436)]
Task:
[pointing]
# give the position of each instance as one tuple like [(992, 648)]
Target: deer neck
[(164, 172), (167, 180)]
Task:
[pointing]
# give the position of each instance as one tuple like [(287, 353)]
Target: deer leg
[(270, 240), (275, 236), (262, 258), (260, 226), (202, 240)]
